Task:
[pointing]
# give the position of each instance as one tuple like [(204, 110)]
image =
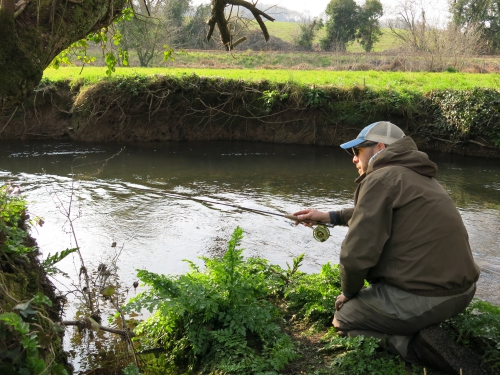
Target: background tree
[(368, 32), (145, 33), (307, 33), (196, 28), (341, 25), (439, 47), (479, 14)]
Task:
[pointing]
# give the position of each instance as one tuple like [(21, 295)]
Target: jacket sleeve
[(341, 217), (369, 230)]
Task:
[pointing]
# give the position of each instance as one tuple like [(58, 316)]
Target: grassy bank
[(30, 339), (450, 112), (417, 82)]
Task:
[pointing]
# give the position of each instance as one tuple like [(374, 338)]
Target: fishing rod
[(320, 230)]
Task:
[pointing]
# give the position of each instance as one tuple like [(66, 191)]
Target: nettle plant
[(218, 319)]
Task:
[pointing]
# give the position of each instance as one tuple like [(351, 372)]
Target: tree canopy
[(348, 21), (482, 14)]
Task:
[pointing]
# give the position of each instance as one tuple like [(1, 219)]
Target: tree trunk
[(32, 33)]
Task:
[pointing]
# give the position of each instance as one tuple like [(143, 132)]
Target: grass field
[(398, 81)]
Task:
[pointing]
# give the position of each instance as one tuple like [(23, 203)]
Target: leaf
[(22, 306), (108, 291), (27, 312), (95, 326)]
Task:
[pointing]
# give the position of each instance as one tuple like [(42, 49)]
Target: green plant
[(217, 319), (131, 369), (316, 97), (479, 327), (12, 211), (466, 113), (21, 338), (51, 260), (272, 98), (361, 355), (313, 295)]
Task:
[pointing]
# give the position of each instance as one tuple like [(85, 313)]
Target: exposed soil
[(207, 111)]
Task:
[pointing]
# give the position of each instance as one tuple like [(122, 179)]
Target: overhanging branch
[(219, 18)]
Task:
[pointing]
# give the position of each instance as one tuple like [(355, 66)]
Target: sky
[(316, 7)]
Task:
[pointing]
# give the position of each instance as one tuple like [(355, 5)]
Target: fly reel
[(321, 233)]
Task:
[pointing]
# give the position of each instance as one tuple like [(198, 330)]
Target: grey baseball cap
[(382, 131)]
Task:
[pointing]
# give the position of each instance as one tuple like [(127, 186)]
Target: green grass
[(398, 81)]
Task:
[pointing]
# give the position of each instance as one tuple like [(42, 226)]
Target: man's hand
[(313, 215), (340, 301)]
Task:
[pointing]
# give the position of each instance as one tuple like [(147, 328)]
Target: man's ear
[(380, 146)]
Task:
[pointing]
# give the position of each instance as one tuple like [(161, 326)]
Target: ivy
[(467, 113)]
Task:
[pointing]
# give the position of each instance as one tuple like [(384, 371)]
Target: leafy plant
[(20, 341), (479, 327), (51, 260), (12, 211), (316, 97), (466, 113), (361, 355), (217, 319), (313, 295), (272, 98)]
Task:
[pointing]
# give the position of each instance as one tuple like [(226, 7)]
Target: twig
[(86, 324)]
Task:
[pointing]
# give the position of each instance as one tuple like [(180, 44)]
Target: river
[(120, 194)]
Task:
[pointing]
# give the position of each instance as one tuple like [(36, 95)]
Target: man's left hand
[(340, 301)]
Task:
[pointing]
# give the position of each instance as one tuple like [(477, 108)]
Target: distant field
[(398, 81), (287, 31)]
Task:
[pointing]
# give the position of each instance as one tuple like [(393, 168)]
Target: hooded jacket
[(404, 229)]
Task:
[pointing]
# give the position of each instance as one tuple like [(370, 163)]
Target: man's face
[(362, 156)]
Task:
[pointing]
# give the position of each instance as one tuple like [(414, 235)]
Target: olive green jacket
[(404, 229)]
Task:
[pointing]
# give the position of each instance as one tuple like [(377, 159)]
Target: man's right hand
[(311, 214)]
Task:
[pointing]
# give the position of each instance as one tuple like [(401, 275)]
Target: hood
[(404, 152)]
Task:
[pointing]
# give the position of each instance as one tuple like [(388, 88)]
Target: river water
[(121, 195)]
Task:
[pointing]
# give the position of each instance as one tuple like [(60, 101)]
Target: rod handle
[(291, 217)]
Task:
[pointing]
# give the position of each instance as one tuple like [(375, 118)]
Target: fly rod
[(320, 231)]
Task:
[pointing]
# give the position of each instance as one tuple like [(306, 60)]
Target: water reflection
[(125, 201)]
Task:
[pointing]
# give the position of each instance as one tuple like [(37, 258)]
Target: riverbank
[(150, 108), (31, 338)]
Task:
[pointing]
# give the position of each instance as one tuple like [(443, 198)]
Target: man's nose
[(355, 159)]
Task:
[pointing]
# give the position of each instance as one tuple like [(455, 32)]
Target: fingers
[(339, 302), (303, 212), (303, 215)]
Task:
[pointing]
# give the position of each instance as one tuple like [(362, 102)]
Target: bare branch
[(219, 18), (87, 324), (252, 8), (20, 6)]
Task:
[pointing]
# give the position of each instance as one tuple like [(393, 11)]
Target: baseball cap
[(382, 131)]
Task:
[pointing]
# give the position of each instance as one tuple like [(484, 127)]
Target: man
[(407, 239)]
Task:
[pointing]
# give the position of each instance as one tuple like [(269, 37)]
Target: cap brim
[(352, 143)]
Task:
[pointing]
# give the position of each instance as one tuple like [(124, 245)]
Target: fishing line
[(320, 230)]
